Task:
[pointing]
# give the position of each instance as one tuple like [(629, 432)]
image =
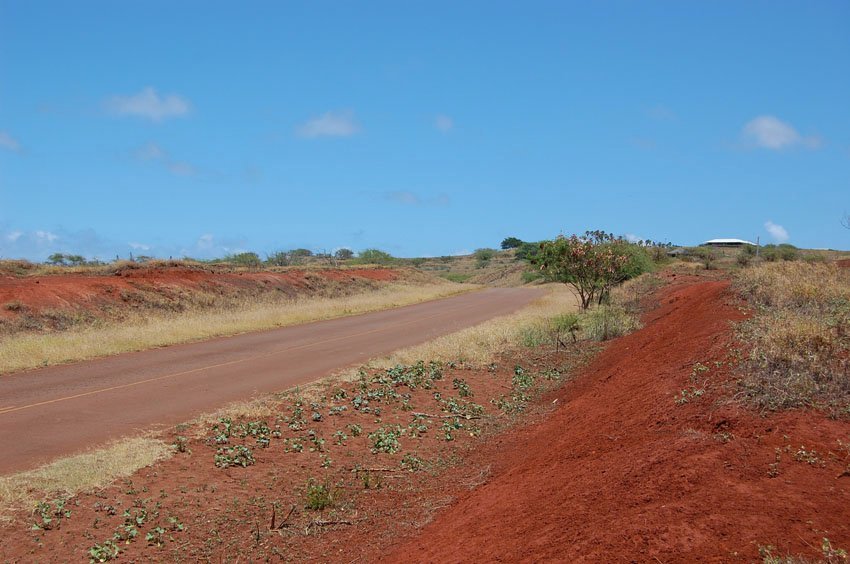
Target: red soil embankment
[(624, 472), (128, 286)]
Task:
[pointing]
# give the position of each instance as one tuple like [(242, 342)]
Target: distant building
[(727, 243)]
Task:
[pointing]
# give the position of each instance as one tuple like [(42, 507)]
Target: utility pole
[(758, 244)]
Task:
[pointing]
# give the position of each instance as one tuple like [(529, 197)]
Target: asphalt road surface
[(57, 411)]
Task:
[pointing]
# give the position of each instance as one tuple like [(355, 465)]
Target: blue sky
[(422, 128)]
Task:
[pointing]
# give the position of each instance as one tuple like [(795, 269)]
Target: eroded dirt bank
[(174, 288), (631, 468)]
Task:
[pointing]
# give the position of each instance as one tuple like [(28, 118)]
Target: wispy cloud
[(779, 233), (329, 124), (407, 198), (9, 143), (39, 243), (153, 152), (770, 132), (444, 123), (149, 104)]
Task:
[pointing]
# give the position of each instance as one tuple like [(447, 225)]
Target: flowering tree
[(591, 263)]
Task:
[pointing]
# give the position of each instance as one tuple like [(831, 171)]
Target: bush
[(374, 256), (773, 253), (484, 256), (511, 243), (244, 259), (344, 254), (527, 251), (706, 255), (592, 263), (607, 322), (529, 276)]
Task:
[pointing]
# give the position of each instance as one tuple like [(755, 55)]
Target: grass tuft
[(83, 472)]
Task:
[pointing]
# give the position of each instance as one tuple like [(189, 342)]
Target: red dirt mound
[(38, 293), (844, 263), (631, 468)]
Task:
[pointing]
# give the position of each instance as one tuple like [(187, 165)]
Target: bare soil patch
[(649, 460)]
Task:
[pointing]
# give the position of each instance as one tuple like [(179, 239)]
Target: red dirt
[(843, 263), (621, 472), (37, 293)]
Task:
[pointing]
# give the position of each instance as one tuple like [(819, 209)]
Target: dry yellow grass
[(24, 351), (67, 476), (798, 337), (479, 345)]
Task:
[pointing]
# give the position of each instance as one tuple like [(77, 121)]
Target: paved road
[(61, 410)]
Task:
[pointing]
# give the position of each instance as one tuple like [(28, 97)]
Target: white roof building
[(728, 242)]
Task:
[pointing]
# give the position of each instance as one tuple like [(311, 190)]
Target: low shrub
[(607, 322), (320, 495)]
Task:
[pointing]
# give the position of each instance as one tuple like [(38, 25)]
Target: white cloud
[(155, 153), (205, 241), (9, 143), (139, 246), (46, 236), (772, 133), (632, 238), (444, 123), (13, 236), (149, 104), (779, 233), (330, 124)]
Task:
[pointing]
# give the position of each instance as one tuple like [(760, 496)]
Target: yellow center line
[(12, 409), (7, 408)]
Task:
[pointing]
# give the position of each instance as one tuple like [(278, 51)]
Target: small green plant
[(317, 441), (449, 426), (412, 463), (181, 444), (174, 524), (155, 537), (462, 388), (293, 445), (50, 516), (320, 495), (355, 429), (385, 439), (238, 455), (810, 457), (687, 396), (104, 552)]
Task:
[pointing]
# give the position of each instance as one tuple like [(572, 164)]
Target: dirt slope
[(67, 291), (624, 472)]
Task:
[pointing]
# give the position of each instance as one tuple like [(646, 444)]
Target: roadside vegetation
[(798, 337)]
